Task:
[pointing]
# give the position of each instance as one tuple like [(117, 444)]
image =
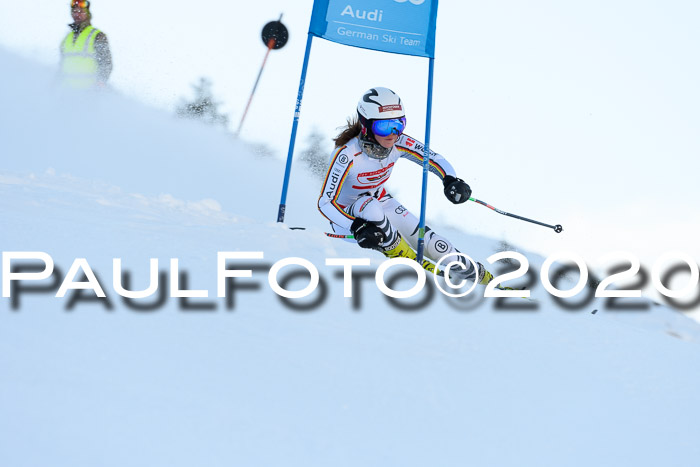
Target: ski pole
[(557, 228), (332, 235), (328, 234)]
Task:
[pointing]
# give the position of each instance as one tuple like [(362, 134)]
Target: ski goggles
[(80, 4), (392, 126)]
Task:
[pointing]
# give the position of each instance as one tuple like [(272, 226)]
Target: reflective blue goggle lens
[(388, 127)]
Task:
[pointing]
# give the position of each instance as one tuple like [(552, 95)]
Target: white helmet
[(380, 103), (377, 104)]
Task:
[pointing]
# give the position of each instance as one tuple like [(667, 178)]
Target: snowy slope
[(254, 382)]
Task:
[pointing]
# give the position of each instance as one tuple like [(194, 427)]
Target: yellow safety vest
[(79, 60)]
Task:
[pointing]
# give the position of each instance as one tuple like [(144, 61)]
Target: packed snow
[(250, 380)]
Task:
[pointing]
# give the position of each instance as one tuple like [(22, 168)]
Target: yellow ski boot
[(486, 278), (401, 249)]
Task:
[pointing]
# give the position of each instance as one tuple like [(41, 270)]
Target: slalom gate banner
[(404, 27)]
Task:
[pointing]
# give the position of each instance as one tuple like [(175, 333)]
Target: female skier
[(355, 201)]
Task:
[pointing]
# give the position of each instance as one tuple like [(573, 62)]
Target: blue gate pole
[(292, 139), (426, 165)]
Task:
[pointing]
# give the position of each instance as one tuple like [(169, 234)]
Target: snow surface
[(86, 383)]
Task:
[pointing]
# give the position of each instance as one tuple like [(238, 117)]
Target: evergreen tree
[(261, 150), (315, 156), (203, 107)]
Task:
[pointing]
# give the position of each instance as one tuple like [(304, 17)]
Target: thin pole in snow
[(297, 111), (274, 37), (270, 45), (426, 165)]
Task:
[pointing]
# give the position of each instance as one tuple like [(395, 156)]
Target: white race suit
[(354, 187)]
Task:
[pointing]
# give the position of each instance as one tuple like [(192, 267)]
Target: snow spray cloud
[(25, 273)]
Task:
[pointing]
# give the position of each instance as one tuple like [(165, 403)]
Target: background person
[(86, 61)]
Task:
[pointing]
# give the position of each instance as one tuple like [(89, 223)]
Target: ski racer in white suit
[(355, 201)]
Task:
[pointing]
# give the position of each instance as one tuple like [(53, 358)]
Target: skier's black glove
[(367, 234), (456, 189)]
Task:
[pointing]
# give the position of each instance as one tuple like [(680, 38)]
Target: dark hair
[(353, 129)]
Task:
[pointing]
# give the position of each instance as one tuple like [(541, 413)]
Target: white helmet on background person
[(379, 104)]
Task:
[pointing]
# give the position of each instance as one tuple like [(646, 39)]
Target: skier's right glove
[(456, 189), (367, 234)]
